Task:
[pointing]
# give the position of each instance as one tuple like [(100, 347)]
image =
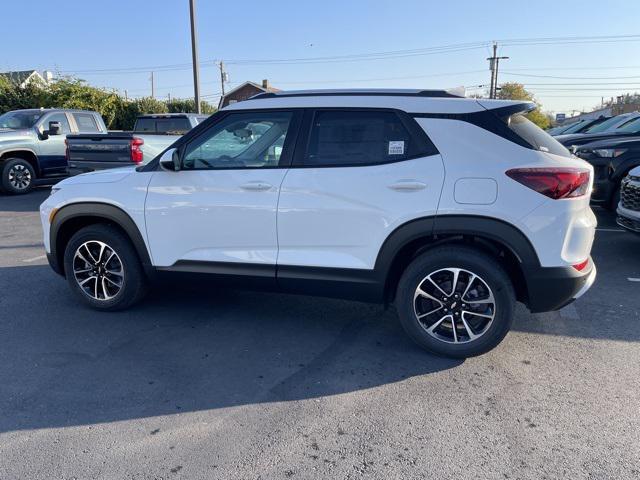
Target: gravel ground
[(202, 383)]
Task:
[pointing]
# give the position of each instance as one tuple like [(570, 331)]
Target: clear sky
[(81, 36)]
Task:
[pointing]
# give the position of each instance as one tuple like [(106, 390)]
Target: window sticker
[(396, 147)]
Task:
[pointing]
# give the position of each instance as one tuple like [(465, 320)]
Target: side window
[(86, 122), (342, 137), (58, 117), (240, 140)]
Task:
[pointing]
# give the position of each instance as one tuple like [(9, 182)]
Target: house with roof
[(245, 91), (22, 78)]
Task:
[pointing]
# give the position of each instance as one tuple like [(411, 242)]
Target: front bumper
[(628, 219), (553, 288)]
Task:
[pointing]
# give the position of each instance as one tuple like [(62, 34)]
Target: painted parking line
[(632, 279), (35, 259)]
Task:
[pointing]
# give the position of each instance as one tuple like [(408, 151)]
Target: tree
[(516, 91), (68, 92)]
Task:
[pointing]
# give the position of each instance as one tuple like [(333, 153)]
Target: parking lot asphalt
[(202, 383)]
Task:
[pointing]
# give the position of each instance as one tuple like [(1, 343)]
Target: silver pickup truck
[(150, 136), (32, 148)]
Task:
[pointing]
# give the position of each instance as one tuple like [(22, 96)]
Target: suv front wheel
[(103, 268), (455, 301)]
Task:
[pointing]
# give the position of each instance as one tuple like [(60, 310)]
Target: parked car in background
[(151, 135), (615, 127), (452, 208), (32, 147), (580, 127), (629, 206), (612, 159)]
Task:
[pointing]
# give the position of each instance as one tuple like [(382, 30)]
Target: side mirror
[(54, 128), (170, 160)]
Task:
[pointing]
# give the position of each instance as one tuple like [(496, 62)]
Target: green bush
[(117, 112)]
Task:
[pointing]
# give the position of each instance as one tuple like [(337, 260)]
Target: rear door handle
[(407, 185), (256, 186)]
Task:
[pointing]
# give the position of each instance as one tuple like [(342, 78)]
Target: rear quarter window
[(535, 136), (86, 122)]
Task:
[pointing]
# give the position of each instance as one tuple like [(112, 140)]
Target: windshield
[(632, 126), (17, 120), (535, 136), (574, 128), (604, 126)]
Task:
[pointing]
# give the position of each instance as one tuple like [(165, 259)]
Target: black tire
[(615, 199), (133, 283), (490, 274), (18, 176)]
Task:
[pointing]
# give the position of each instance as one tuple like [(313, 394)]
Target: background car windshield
[(16, 120), (535, 136), (632, 126), (604, 126)]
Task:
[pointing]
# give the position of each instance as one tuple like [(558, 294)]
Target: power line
[(568, 78), (452, 48)]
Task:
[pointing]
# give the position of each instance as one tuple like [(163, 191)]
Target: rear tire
[(17, 176), (103, 268), (464, 298)]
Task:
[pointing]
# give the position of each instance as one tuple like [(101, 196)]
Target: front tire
[(17, 176), (455, 301), (103, 268)]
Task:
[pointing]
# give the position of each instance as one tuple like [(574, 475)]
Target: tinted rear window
[(145, 125), (535, 136), (177, 126)]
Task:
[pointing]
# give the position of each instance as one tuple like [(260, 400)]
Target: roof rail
[(453, 93)]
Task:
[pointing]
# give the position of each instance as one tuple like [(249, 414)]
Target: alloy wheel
[(454, 305), (98, 270), (19, 177)]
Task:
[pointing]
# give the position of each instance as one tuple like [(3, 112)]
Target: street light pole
[(194, 55)]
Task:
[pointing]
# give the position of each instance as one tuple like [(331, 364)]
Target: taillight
[(66, 150), (581, 266), (554, 182), (136, 150)]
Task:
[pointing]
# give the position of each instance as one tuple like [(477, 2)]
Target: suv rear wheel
[(103, 268), (17, 176), (455, 301)]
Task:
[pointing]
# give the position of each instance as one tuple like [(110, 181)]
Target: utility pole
[(126, 96), (194, 55), (224, 77), (494, 63), (169, 97), (153, 90)]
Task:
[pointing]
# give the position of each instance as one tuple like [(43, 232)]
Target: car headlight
[(609, 152)]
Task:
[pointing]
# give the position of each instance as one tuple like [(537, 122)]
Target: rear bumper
[(86, 167), (552, 288)]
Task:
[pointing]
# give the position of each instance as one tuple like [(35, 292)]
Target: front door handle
[(407, 185), (256, 186)]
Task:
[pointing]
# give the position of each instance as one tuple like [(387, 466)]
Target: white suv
[(451, 208)]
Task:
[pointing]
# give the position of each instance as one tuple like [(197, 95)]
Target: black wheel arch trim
[(488, 227), (7, 155), (104, 211)]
